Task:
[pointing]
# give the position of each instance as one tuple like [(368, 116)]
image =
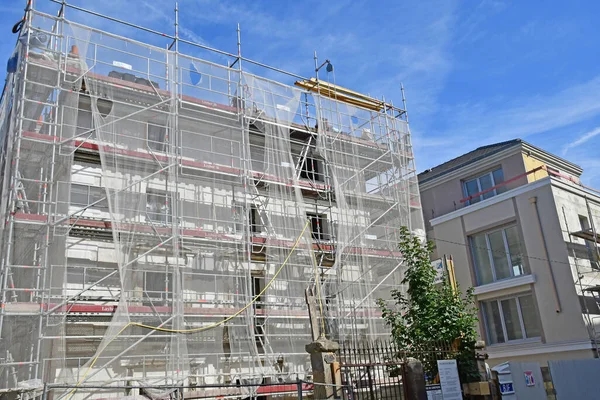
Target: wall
[(531, 164), (542, 358), (446, 196), (514, 166), (571, 205), (568, 324), (441, 199), (564, 327)]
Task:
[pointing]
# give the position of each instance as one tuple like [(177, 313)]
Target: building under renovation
[(164, 215)]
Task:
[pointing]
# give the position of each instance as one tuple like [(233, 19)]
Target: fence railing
[(300, 388), (377, 370)]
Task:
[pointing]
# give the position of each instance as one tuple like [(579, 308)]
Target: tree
[(429, 315)]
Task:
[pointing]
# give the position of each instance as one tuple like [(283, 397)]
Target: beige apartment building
[(521, 230)]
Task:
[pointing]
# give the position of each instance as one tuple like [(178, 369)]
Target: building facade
[(521, 230), (164, 215)]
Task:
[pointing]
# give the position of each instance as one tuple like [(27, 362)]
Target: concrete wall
[(571, 205), (564, 327)]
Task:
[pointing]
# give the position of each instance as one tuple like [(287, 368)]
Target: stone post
[(414, 380), (322, 355)]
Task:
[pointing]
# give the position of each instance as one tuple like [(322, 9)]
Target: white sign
[(434, 392), (122, 65), (438, 266), (449, 380)]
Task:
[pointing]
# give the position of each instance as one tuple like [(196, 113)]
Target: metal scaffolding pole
[(181, 206)]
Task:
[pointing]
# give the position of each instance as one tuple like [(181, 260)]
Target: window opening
[(498, 255), (511, 319), (311, 169), (158, 207), (318, 224), (155, 138), (84, 195), (253, 218), (486, 181)]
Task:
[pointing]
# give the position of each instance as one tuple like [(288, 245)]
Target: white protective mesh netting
[(149, 195)]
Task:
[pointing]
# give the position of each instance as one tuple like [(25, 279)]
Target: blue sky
[(475, 72)]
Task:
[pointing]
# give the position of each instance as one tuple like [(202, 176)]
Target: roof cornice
[(523, 147), (471, 167), (553, 160)]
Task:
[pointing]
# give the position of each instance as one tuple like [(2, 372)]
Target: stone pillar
[(414, 380), (322, 355)]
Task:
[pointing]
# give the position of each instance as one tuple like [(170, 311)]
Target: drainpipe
[(533, 201)]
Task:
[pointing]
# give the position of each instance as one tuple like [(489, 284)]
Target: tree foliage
[(429, 315)]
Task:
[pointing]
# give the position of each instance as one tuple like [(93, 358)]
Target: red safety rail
[(200, 233), (190, 311), (533, 171)]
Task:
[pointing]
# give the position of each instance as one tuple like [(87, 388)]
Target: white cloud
[(581, 140), (525, 116)]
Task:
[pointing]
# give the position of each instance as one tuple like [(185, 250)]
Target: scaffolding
[(164, 215)]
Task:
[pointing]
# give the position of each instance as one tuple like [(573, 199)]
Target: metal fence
[(372, 371), (376, 371), (429, 354), (298, 389)]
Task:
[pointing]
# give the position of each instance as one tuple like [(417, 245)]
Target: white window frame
[(478, 180), (504, 331), (89, 189), (491, 256)]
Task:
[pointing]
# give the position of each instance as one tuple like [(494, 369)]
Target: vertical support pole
[(299, 387), (316, 70), (49, 187), (246, 180), (404, 101), (312, 314), (175, 143)]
